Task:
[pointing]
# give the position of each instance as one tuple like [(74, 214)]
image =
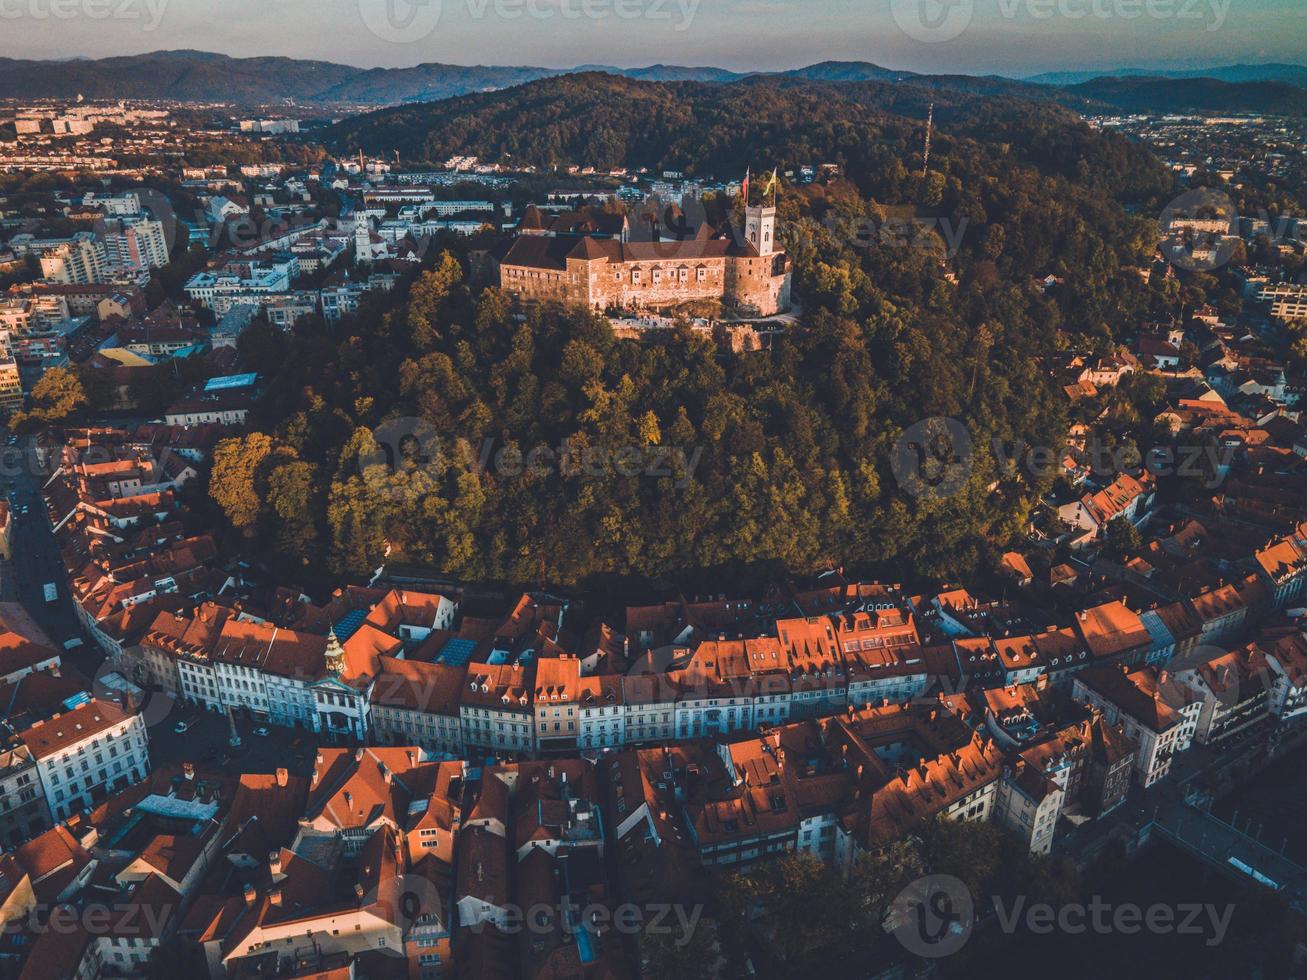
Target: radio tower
[(930, 125)]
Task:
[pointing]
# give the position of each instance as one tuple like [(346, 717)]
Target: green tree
[(1122, 539)]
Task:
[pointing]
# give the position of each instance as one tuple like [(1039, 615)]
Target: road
[(207, 744), (35, 557)]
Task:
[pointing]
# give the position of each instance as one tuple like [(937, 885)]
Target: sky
[(1008, 37)]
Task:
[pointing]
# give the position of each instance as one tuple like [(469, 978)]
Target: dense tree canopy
[(450, 429)]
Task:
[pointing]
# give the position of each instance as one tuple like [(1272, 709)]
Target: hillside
[(204, 77), (607, 122), (1194, 95), (794, 445), (1288, 74)]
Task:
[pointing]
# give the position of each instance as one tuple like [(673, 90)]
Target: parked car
[(261, 731)]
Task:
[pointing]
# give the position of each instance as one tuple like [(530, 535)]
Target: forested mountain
[(605, 121), (205, 77), (791, 446), (202, 76), (1194, 95), (1289, 74)]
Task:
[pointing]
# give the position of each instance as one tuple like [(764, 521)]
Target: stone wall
[(758, 285)]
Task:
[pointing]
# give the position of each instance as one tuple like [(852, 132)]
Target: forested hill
[(607, 122), (920, 297), (208, 77), (1195, 95)]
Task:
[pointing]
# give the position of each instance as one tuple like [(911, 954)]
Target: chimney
[(274, 897), (349, 798), (358, 754), (386, 775), (188, 770), (249, 894), (283, 776), (274, 863), (358, 891)]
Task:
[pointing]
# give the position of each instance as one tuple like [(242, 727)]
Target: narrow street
[(35, 559)]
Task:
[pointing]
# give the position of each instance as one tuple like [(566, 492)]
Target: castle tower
[(760, 227), (335, 655)]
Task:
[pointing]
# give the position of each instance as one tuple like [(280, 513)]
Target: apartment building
[(1156, 711), (86, 753)]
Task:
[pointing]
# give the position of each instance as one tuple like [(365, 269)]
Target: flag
[(744, 187), (771, 185)]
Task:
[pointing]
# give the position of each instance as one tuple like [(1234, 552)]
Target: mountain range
[(1289, 74), (198, 76)]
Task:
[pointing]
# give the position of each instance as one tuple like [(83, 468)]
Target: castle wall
[(760, 286), (540, 285), (756, 285), (650, 284)]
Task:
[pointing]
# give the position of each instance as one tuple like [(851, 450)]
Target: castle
[(590, 260)]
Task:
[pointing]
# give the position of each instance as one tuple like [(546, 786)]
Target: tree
[(426, 297), (58, 396), (292, 488), (234, 483), (668, 956), (1122, 539)]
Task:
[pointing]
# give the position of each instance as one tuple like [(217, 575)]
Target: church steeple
[(335, 655)]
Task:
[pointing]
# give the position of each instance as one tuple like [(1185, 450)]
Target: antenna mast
[(930, 126)]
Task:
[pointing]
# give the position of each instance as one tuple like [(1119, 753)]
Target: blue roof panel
[(457, 652), (349, 624)]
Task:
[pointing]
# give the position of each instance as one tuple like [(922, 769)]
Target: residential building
[(86, 753)]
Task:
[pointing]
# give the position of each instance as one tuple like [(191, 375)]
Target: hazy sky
[(1011, 37)]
